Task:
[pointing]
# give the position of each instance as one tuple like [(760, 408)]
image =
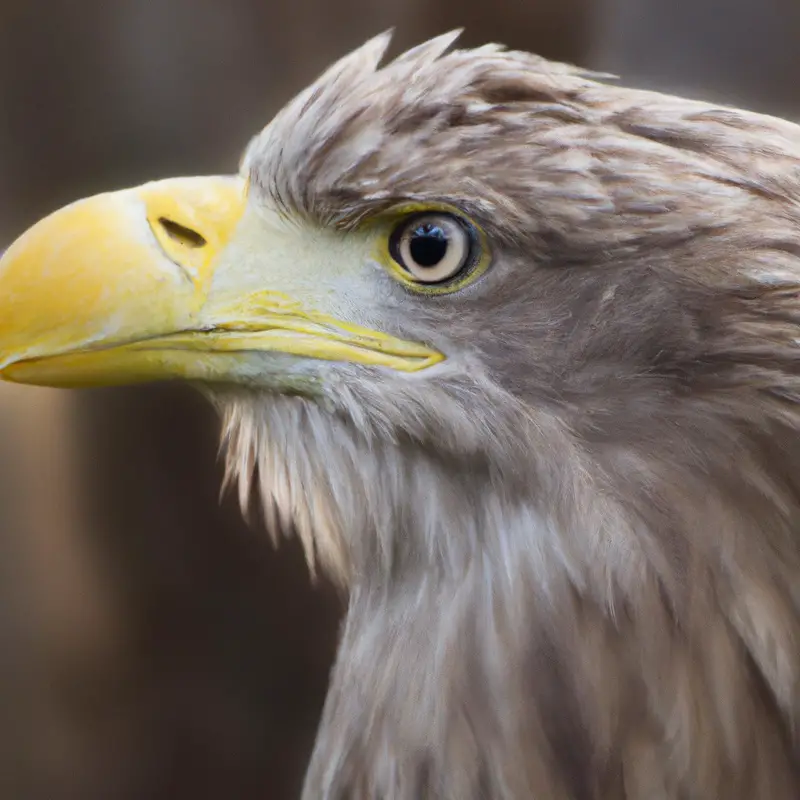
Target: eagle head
[(515, 353)]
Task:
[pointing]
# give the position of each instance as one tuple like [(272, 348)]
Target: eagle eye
[(433, 248)]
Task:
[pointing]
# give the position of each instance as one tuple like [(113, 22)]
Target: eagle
[(513, 350)]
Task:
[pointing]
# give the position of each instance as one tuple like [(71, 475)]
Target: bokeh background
[(153, 644)]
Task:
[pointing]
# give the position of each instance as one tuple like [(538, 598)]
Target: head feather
[(572, 551)]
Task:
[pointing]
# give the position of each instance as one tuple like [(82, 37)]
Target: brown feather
[(573, 557)]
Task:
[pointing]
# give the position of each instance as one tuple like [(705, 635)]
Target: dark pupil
[(428, 244)]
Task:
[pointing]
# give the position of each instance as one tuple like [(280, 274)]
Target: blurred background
[(152, 644)]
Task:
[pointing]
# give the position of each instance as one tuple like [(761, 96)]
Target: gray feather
[(573, 551)]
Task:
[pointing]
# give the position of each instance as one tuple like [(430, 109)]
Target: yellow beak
[(115, 289)]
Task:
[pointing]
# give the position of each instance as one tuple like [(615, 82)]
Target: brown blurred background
[(152, 644)]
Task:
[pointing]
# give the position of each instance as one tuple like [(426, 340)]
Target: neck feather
[(583, 637)]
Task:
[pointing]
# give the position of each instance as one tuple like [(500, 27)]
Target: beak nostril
[(182, 234)]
